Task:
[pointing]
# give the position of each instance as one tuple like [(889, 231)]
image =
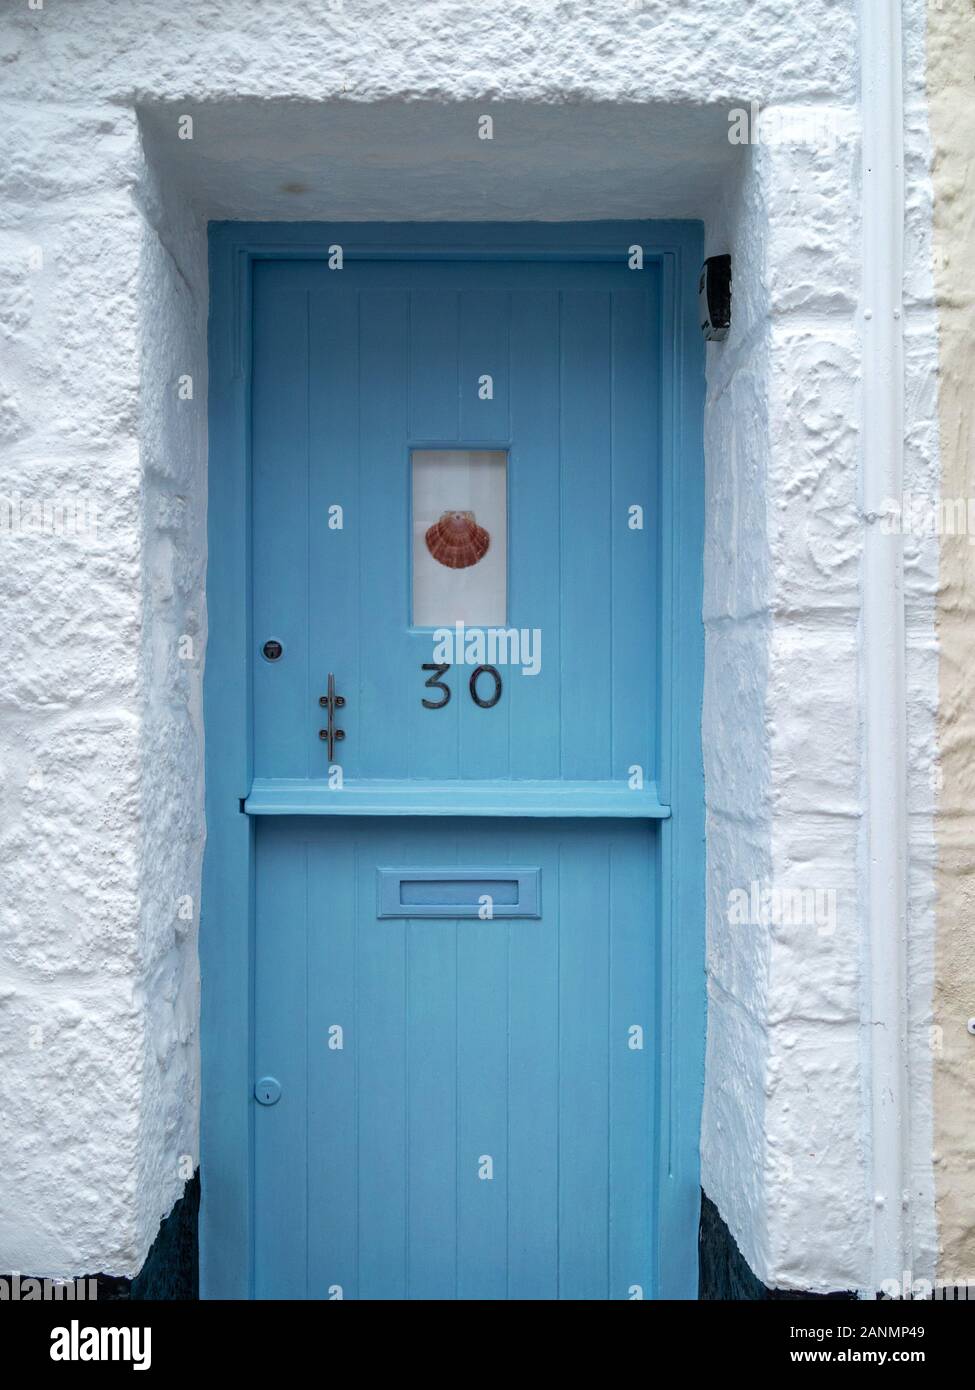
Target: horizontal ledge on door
[(282, 796)]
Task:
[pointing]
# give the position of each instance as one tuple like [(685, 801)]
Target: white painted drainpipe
[(881, 100)]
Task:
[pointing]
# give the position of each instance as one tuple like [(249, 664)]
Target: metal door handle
[(331, 702)]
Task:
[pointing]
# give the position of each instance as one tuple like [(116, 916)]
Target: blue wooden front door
[(462, 1005)]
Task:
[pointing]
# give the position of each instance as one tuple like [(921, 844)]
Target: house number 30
[(478, 681)]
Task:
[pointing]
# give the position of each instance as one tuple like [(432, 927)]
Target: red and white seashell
[(457, 541)]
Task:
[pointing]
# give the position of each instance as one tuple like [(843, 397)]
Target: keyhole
[(267, 1091)]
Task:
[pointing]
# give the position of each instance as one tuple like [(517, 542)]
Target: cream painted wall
[(951, 97)]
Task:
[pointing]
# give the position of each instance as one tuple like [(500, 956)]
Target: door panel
[(483, 1123), (461, 1040), (353, 369)]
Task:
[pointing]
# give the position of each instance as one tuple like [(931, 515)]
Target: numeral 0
[(485, 671)]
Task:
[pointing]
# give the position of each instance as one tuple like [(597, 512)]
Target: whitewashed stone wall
[(782, 744), (100, 733), (173, 447)]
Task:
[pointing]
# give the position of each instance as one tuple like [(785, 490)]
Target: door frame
[(227, 903)]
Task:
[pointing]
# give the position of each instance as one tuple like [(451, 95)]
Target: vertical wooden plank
[(634, 556), (432, 1102), (434, 390), (681, 838), (280, 1007), (433, 366), (333, 912), (533, 1079), (432, 736), (382, 578), (586, 446), (382, 1061), (482, 1082), (284, 718), (484, 733), (632, 1060), (226, 935), (584, 1051), (333, 562), (483, 318), (534, 504)]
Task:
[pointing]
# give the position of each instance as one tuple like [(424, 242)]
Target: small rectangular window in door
[(460, 537)]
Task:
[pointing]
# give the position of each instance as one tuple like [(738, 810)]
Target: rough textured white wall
[(783, 1141), (173, 440), (788, 1042), (88, 1075), (99, 722), (445, 50), (99, 729)]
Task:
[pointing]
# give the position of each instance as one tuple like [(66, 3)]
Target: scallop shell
[(457, 541)]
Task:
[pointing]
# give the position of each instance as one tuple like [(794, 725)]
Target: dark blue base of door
[(171, 1272), (172, 1267), (724, 1272)]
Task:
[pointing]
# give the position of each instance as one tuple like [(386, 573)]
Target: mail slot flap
[(479, 892)]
